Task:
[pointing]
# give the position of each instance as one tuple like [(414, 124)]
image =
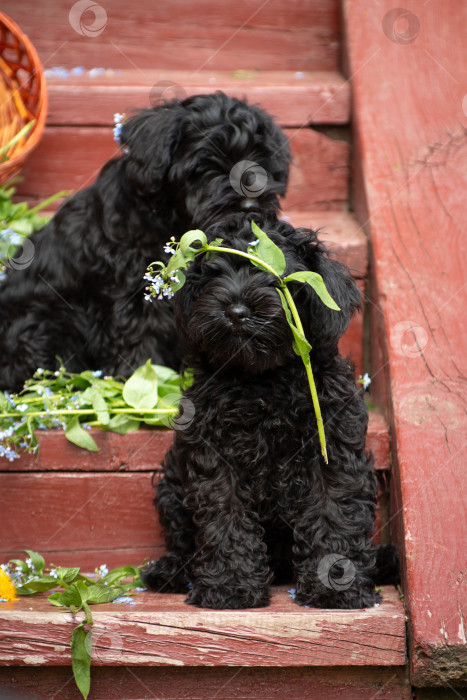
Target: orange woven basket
[(23, 96)]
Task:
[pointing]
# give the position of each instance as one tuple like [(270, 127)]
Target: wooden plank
[(410, 130), (140, 451), (83, 514), (295, 98), (198, 683), (351, 343), (319, 172), (161, 630), (79, 511), (185, 34), (71, 158), (341, 234)]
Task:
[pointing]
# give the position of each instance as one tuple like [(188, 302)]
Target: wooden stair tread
[(142, 450), (294, 98), (340, 232), (162, 630), (186, 34)]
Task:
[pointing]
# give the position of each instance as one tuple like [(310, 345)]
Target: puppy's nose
[(237, 313)]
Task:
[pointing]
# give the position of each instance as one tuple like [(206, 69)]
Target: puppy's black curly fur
[(82, 296), (246, 497)]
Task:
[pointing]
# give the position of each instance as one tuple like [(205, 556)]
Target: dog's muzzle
[(237, 313)]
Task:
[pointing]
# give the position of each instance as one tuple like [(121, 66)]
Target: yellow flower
[(7, 587)]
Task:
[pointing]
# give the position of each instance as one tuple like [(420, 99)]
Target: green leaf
[(102, 594), (75, 434), (285, 306), (122, 424), (175, 286), (166, 374), (177, 261), (81, 658), (99, 405), (22, 564), (316, 281), (191, 237), (37, 561), (82, 589), (45, 583), (267, 251), (67, 598), (67, 574), (301, 345), (140, 390)]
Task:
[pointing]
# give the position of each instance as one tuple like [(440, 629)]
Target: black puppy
[(80, 293), (246, 497)]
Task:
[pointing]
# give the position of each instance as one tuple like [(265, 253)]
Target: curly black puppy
[(80, 293), (246, 497)]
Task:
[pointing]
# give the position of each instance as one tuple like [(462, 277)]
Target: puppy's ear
[(324, 326), (150, 140)]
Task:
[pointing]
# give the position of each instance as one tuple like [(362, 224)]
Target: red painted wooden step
[(78, 507), (295, 99), (70, 157), (161, 630), (284, 34)]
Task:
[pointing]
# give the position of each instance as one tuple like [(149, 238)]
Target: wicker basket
[(23, 96)]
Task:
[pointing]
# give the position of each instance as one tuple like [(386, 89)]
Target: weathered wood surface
[(75, 517), (228, 683), (161, 630), (142, 450), (71, 158), (294, 98), (276, 35), (341, 234), (408, 81)]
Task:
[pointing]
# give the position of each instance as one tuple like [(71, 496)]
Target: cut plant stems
[(74, 592), (75, 402), (265, 254)]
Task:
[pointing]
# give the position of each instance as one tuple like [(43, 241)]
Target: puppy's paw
[(224, 598), (166, 575)]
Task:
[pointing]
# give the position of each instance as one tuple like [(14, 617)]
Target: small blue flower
[(22, 407), (366, 381), (117, 130), (78, 70), (97, 373), (124, 599), (9, 399), (96, 72), (253, 243), (292, 593)]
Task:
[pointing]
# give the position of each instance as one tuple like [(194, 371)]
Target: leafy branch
[(77, 402), (73, 591), (165, 280)]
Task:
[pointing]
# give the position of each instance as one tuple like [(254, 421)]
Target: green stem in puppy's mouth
[(266, 255)]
